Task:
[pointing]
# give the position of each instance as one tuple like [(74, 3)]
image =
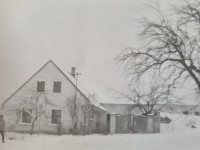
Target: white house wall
[(49, 74)]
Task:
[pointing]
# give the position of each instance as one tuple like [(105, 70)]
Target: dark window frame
[(197, 113), (56, 117), (57, 86), (40, 86), (186, 112), (26, 117)]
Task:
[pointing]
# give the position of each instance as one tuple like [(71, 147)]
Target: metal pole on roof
[(76, 77)]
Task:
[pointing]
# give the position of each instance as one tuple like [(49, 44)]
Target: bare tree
[(73, 105), (34, 103), (89, 110), (147, 99), (169, 46)]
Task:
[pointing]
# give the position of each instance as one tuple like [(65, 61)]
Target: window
[(40, 86), (26, 117), (185, 112), (56, 117), (196, 113), (57, 87)]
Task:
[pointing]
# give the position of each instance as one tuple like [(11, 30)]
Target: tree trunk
[(192, 74), (32, 127), (75, 128), (90, 128)]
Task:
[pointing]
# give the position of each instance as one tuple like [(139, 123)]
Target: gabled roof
[(73, 82)]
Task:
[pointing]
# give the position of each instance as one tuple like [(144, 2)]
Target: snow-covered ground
[(178, 135)]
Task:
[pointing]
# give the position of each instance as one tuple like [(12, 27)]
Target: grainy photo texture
[(99, 74)]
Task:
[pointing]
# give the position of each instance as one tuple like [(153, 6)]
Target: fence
[(140, 124), (146, 124), (123, 123)]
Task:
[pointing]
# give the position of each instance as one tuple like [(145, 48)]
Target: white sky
[(86, 34)]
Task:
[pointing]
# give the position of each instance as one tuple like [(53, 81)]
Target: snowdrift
[(180, 122)]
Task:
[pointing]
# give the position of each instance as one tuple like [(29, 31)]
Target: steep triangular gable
[(26, 82), (69, 78)]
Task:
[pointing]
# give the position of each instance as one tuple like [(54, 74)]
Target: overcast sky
[(86, 34)]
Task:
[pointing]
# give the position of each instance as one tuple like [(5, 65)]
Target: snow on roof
[(192, 102), (119, 103)]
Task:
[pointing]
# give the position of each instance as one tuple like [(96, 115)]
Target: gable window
[(185, 112), (196, 113), (40, 86), (57, 87), (26, 116), (56, 117)]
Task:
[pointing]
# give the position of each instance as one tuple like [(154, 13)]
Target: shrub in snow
[(59, 129), (165, 120), (71, 131), (193, 126)]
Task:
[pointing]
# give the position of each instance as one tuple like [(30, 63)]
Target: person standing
[(2, 127)]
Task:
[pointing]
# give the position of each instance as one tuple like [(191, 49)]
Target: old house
[(55, 88)]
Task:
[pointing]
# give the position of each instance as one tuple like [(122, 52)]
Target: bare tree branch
[(170, 47)]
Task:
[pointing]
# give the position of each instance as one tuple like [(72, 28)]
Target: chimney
[(73, 71)]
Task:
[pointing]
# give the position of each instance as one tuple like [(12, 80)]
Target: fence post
[(157, 122), (132, 123), (112, 123), (150, 123)]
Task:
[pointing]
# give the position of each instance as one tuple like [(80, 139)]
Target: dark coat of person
[(2, 124)]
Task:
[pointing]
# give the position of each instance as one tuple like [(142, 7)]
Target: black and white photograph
[(99, 74)]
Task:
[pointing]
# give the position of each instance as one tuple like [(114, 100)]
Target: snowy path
[(165, 141)]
